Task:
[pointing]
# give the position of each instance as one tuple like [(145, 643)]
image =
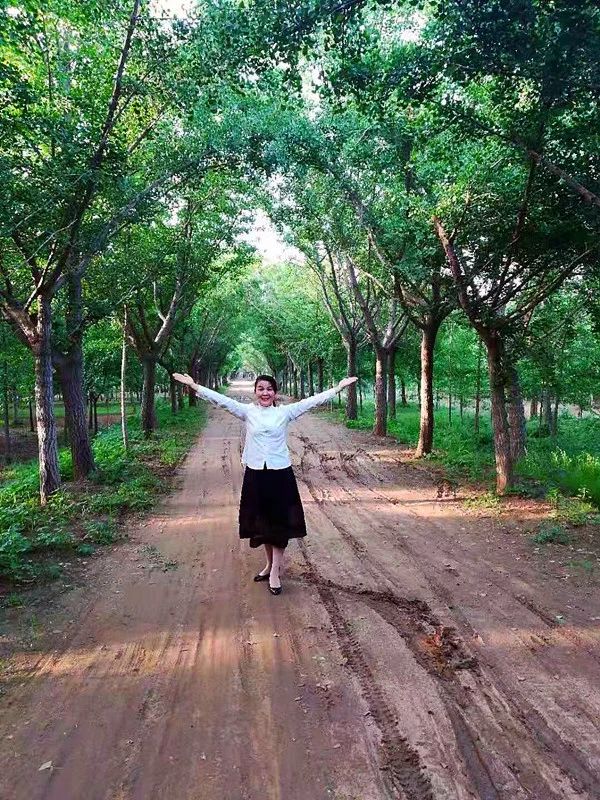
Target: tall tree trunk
[(96, 398), (478, 387), (179, 397), (69, 369), (148, 413), (351, 411), (295, 383), (6, 405), (547, 409), (15, 399), (555, 416), (44, 404), (502, 449), (173, 393), (69, 366), (403, 392), (320, 378), (302, 384), (360, 394), (31, 416), (533, 407), (124, 432), (192, 370), (311, 379), (380, 426), (391, 386), (516, 416), (427, 421)]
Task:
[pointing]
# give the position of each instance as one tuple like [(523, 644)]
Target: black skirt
[(270, 508)]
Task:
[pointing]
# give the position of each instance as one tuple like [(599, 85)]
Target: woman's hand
[(346, 382), (185, 378)]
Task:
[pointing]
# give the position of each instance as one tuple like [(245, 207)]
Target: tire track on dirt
[(428, 650), (434, 648), (406, 776)]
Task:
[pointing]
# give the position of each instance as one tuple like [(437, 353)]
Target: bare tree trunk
[(391, 386), (533, 407), (427, 421), (8, 444), (351, 411), (320, 379), (555, 416), (15, 399), (148, 413), (547, 409), (302, 383), (295, 383), (478, 387), (502, 449), (173, 394), (380, 426), (123, 377), (44, 404), (403, 392), (69, 370), (311, 380), (360, 395), (179, 397), (516, 416), (31, 416)]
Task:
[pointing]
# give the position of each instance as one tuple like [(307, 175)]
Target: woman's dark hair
[(268, 379)]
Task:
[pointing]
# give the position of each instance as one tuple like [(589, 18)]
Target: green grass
[(78, 519), (462, 451), (568, 463), (551, 532)]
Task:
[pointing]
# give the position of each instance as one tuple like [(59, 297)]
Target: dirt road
[(415, 653)]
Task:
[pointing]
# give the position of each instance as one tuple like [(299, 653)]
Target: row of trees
[(446, 159), (293, 334), (121, 200), (427, 162)]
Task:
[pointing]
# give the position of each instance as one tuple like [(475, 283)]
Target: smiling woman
[(270, 508)]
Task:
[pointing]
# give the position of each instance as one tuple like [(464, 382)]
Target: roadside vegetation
[(83, 517)]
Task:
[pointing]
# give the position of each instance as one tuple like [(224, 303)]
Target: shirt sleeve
[(239, 410), (295, 410)]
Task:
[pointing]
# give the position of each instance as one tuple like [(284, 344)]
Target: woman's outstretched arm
[(239, 410), (294, 410)]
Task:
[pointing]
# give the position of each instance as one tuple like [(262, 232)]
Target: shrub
[(551, 532)]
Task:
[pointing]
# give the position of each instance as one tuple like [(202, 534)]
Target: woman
[(270, 508)]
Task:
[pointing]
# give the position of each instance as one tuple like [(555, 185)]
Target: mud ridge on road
[(440, 651), (406, 777), (435, 648)]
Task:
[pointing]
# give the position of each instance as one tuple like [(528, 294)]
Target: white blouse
[(266, 428)]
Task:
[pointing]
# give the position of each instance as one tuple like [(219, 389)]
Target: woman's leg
[(269, 552), (277, 565)]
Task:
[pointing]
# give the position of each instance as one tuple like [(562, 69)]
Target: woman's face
[(265, 394)]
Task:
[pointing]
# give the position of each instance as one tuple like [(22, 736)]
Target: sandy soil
[(417, 651)]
